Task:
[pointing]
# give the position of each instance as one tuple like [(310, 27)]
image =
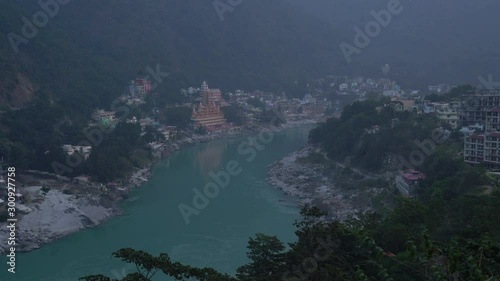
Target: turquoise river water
[(217, 237)]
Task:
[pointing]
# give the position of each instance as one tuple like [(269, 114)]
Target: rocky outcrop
[(320, 184), (23, 92)]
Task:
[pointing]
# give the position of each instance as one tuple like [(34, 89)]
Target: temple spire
[(204, 86)]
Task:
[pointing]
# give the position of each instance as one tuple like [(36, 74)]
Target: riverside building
[(208, 114)]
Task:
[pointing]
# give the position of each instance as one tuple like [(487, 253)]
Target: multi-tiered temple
[(208, 114)]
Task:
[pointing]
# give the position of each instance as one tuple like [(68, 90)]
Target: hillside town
[(324, 97), (214, 113)]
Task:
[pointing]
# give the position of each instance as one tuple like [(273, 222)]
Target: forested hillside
[(86, 54), (259, 45), (93, 47)]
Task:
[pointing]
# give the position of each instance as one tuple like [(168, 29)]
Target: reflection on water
[(209, 158), (217, 238)]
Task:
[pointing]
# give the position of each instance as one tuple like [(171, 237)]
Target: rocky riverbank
[(58, 206), (313, 180)]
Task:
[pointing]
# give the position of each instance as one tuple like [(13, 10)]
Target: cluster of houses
[(137, 91), (207, 107), (476, 115), (440, 89), (102, 117), (362, 85), (291, 108), (448, 113)]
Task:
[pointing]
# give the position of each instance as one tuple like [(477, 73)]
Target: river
[(216, 237)]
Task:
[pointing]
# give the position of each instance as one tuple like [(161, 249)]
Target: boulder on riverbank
[(313, 180)]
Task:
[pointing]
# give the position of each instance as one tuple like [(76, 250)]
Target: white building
[(101, 115), (448, 116), (82, 150), (469, 130)]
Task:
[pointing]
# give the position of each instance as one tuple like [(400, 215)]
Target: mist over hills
[(259, 45), (450, 41), (94, 47)]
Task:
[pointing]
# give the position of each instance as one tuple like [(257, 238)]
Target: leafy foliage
[(337, 251), (346, 137)]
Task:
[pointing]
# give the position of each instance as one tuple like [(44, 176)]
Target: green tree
[(234, 114), (267, 259), (177, 116)]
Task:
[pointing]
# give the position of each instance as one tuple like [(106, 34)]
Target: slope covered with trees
[(84, 57)]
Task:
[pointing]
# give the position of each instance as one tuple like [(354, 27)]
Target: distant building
[(469, 130), (208, 114), (168, 132), (386, 69), (390, 93), (448, 116), (308, 99), (475, 105), (397, 105), (403, 104), (104, 117), (142, 86), (484, 147), (440, 89), (82, 179), (148, 121), (82, 150), (474, 149), (408, 181)]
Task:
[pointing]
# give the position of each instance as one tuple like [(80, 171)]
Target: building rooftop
[(478, 137), (413, 175)]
